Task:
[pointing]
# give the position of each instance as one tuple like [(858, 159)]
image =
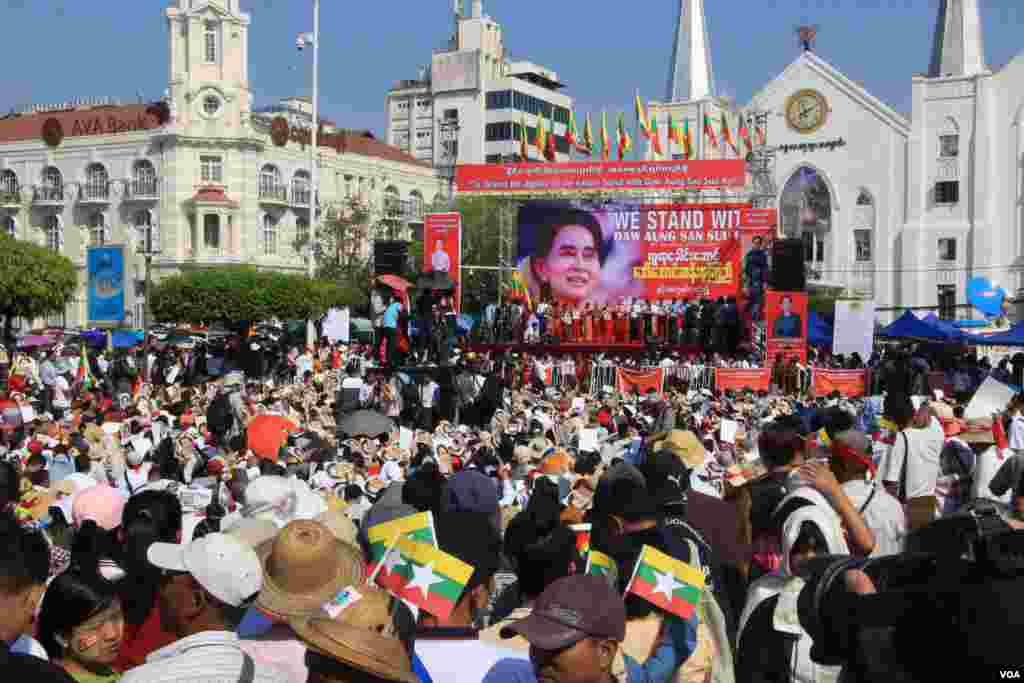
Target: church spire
[(690, 74), (958, 49)]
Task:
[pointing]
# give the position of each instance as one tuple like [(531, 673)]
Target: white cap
[(223, 565)]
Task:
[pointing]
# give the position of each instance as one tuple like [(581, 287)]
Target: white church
[(904, 211)]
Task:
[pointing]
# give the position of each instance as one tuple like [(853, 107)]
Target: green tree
[(236, 293), (34, 281)]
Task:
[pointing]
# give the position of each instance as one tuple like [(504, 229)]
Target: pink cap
[(102, 504)]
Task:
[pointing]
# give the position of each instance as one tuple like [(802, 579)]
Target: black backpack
[(219, 416)]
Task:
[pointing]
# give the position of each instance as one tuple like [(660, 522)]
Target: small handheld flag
[(667, 583), (427, 577), (382, 536)]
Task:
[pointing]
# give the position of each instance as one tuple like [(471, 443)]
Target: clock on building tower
[(806, 111)]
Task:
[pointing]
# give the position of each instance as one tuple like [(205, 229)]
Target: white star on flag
[(667, 584), (423, 578)]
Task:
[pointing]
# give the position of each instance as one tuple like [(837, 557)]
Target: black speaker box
[(389, 257), (787, 273)]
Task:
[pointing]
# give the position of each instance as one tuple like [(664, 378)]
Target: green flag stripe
[(448, 589), (424, 535), (686, 592)]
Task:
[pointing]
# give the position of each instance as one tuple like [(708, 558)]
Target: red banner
[(849, 383), (612, 176), (572, 255), (786, 320), (442, 248), (739, 379), (631, 381)]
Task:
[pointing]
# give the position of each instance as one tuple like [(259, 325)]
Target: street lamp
[(148, 247), (303, 40)]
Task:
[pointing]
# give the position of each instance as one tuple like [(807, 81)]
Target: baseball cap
[(223, 565), (569, 610)]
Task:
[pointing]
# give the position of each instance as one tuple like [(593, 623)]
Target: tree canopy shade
[(34, 281), (236, 293)]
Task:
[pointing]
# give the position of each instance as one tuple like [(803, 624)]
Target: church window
[(862, 245), (210, 37)]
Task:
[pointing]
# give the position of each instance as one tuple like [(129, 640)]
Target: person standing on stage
[(607, 334), (543, 308), (567, 327), (636, 320), (755, 275)]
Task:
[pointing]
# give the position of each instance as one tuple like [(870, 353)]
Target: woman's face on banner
[(572, 268)]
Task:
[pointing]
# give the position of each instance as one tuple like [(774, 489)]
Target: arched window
[(416, 201), (96, 182), (301, 232), (392, 201), (300, 188), (54, 233), (97, 230), (269, 235), (53, 184), (270, 182), (10, 226), (143, 178), (949, 139), (807, 211), (864, 227), (211, 231), (8, 183), (143, 222)]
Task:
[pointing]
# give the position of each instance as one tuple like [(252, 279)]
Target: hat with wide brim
[(304, 567), (358, 647)]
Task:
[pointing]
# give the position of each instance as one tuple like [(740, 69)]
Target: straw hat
[(684, 445), (362, 636), (341, 470), (304, 567), (343, 528)]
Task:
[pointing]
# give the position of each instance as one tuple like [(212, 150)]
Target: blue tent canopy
[(909, 326), (1012, 337), (123, 339), (944, 326)]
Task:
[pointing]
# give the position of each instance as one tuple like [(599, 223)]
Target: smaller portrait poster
[(786, 322), (442, 247), (105, 268)]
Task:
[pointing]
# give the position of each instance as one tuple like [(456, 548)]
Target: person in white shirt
[(428, 393), (851, 462), (910, 470), (440, 259), (212, 581)]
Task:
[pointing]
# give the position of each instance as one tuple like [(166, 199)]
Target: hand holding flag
[(667, 583), (427, 577)]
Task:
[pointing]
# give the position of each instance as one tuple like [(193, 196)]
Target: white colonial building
[(905, 210), (221, 183)]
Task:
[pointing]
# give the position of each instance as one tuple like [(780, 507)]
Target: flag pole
[(636, 128), (383, 559)]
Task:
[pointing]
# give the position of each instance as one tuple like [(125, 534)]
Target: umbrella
[(365, 423), (34, 340), (394, 282), (267, 433), (435, 279)]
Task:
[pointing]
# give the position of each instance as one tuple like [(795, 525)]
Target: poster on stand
[(105, 292), (855, 328), (442, 248), (786, 325)]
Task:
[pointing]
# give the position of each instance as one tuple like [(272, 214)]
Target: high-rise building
[(468, 104)]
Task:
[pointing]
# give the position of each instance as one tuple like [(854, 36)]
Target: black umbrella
[(365, 423), (435, 280)]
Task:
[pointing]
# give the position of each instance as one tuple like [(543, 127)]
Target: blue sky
[(61, 49)]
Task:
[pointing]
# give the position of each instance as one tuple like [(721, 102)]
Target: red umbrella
[(398, 284), (267, 433)]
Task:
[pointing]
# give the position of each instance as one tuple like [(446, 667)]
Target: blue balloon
[(985, 296)]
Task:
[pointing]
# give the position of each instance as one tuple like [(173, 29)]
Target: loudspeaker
[(788, 266), (389, 257)]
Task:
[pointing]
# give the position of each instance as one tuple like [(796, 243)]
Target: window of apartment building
[(451, 114), (97, 230), (947, 249), (54, 233), (862, 245), (498, 131), (269, 235), (947, 192), (949, 146), (500, 99), (947, 302), (211, 169), (210, 38)]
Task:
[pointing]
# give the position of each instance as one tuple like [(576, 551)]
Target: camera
[(964, 605)]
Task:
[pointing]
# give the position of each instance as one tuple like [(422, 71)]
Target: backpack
[(219, 415)]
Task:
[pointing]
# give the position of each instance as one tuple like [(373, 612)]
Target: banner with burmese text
[(632, 381), (442, 248), (739, 379), (576, 253), (849, 383)]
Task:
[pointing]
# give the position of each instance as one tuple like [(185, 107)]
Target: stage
[(586, 348)]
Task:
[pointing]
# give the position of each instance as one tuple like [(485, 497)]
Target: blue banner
[(105, 266)]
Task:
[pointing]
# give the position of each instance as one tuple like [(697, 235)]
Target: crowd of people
[(155, 530)]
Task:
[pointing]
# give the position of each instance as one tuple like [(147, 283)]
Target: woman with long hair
[(81, 624), (566, 265)]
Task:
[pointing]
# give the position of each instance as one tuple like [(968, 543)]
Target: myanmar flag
[(745, 135), (599, 564), (656, 138), (673, 130), (540, 140), (572, 134), (727, 134), (582, 532), (687, 141), (588, 138), (625, 142), (524, 143), (641, 118), (427, 577), (551, 148), (606, 143), (667, 583), (709, 131), (84, 377), (419, 527)]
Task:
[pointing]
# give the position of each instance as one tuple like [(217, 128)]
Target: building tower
[(690, 77), (958, 49)]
